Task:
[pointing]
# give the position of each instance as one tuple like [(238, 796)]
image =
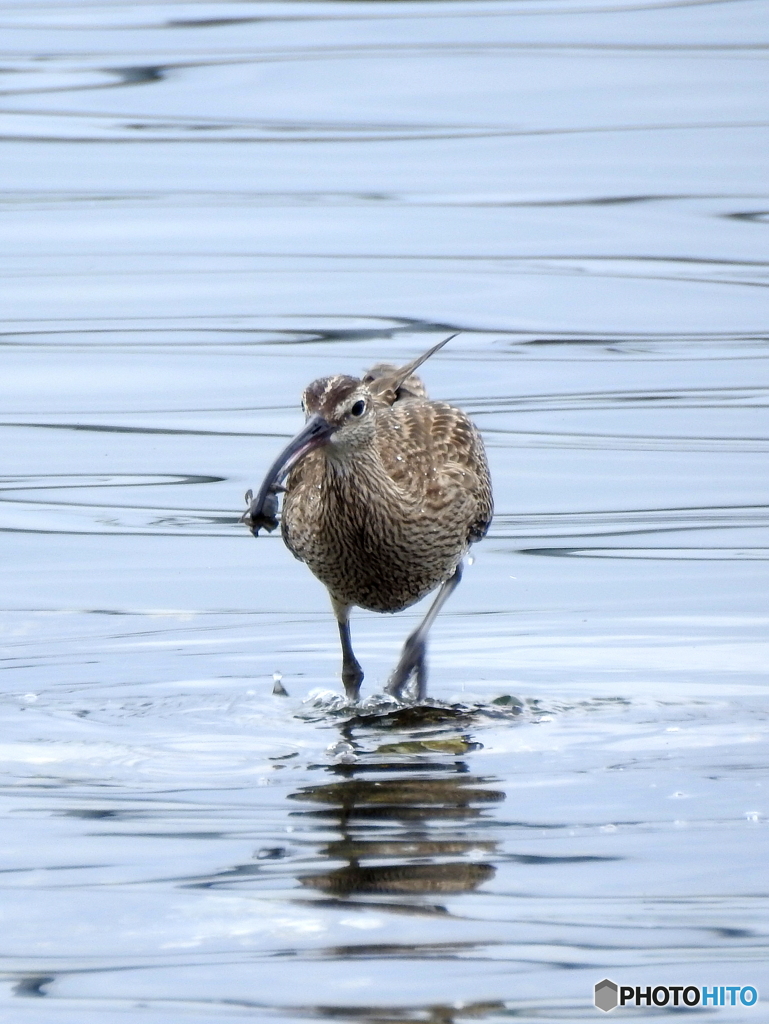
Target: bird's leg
[(352, 673), (413, 657)]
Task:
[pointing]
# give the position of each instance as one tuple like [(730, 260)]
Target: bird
[(385, 491)]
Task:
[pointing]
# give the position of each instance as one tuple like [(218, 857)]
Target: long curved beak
[(262, 512)]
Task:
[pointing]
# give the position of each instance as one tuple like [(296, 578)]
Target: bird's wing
[(382, 380), (434, 452)]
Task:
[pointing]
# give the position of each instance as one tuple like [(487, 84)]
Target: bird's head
[(340, 412), (341, 417)]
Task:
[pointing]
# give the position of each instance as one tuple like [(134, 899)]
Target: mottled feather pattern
[(385, 528)]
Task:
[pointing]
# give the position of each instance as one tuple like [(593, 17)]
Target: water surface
[(205, 206)]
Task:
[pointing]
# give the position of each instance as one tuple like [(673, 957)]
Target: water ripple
[(45, 126), (195, 225)]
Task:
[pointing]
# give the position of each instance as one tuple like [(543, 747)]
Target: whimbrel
[(386, 492)]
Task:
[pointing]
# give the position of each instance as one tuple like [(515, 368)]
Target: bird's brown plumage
[(384, 522), (386, 491)]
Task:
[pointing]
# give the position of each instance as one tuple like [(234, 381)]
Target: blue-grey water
[(203, 207)]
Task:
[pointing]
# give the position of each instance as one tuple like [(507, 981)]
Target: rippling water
[(206, 205)]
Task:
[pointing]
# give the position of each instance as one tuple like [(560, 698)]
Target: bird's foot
[(352, 677), (412, 665)]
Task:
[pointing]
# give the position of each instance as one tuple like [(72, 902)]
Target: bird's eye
[(359, 408)]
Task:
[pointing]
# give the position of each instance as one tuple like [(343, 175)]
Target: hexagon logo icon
[(606, 995)]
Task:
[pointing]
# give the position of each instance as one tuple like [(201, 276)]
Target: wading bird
[(386, 491)]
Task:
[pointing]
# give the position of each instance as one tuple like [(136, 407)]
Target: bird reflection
[(429, 1014), (422, 844)]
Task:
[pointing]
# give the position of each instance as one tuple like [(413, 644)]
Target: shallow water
[(206, 205)]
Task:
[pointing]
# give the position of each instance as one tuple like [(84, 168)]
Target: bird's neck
[(357, 472)]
